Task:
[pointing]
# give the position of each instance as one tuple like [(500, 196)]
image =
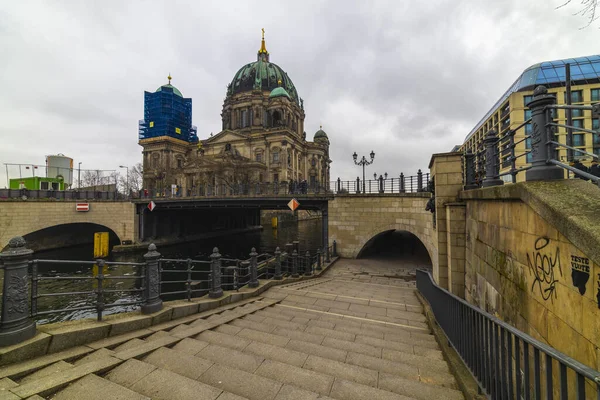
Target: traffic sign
[(82, 207), (293, 204), (151, 206)]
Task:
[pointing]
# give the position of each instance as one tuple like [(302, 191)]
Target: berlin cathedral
[(262, 138)]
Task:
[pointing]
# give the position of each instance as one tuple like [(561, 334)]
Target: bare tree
[(133, 179), (588, 10)]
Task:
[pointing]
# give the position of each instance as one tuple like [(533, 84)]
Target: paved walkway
[(356, 333)]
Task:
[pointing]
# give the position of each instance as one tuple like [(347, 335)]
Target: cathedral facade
[(262, 138)]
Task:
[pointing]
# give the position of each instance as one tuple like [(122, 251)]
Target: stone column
[(540, 134), (215, 271), (446, 172), (456, 240), (253, 272), (16, 325), (278, 275), (153, 303)]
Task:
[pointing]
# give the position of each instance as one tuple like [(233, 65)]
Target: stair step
[(222, 339), (295, 376), (96, 355), (240, 382), (190, 346), (288, 392), (92, 387), (51, 369), (233, 358), (129, 345), (7, 383), (129, 372), (178, 362), (417, 390), (179, 328), (342, 370), (347, 390)]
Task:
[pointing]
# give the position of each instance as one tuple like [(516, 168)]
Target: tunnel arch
[(396, 243), (423, 235), (66, 235)]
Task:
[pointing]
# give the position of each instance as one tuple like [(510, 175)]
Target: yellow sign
[(151, 124), (100, 244), (177, 130)]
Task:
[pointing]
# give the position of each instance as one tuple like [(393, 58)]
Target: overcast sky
[(403, 78)]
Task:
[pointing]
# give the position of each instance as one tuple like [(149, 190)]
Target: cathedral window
[(179, 163), (275, 177), (259, 157), (244, 118), (275, 156)]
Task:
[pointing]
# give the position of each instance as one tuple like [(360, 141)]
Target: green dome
[(262, 75), (175, 90), (320, 134), (279, 92)]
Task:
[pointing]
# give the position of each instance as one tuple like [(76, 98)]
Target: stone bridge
[(34, 219)]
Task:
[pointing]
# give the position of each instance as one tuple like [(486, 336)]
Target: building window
[(313, 162), (528, 129), (576, 96), (597, 151), (259, 157), (55, 186), (595, 94), (596, 123), (529, 157), (244, 118), (275, 177), (596, 137), (527, 99), (260, 177), (578, 140), (44, 185), (527, 114), (578, 123), (576, 113), (275, 156), (179, 163)]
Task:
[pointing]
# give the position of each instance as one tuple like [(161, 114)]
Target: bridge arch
[(66, 235), (397, 244), (375, 232)]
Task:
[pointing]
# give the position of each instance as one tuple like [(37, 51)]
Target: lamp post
[(363, 162), (79, 176), (127, 184)]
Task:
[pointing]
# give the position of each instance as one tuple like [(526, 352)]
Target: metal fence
[(112, 287), (505, 362), (25, 194), (482, 167), (384, 184)]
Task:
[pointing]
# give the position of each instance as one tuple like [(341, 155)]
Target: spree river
[(236, 246)]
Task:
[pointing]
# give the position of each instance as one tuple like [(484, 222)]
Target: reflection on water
[(307, 233)]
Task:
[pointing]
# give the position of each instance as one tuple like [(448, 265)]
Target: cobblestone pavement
[(358, 332)]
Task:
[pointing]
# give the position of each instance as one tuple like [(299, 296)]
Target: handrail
[(485, 344)]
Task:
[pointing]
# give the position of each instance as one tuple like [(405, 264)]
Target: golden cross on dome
[(169, 78), (263, 33)]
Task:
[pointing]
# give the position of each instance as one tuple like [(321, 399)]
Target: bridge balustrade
[(402, 184), (505, 362), (33, 291)]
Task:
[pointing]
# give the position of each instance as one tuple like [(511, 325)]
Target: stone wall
[(355, 219), (19, 218), (526, 269)]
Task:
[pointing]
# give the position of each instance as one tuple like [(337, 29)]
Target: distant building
[(37, 183), (262, 137), (510, 110)]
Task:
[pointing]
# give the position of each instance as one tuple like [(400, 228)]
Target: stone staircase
[(333, 338)]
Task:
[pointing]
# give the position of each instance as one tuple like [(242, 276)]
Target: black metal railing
[(542, 163), (380, 185), (98, 288), (26, 194), (505, 362), (240, 190)]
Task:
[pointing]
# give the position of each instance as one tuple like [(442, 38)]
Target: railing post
[(339, 183), (334, 250), (296, 246), (100, 289), (253, 272), (513, 160), (357, 185), (380, 183), (16, 325), (295, 264), (308, 266), (419, 181), (152, 302), (189, 279), (215, 272), (470, 171), (402, 188), (278, 275), (319, 260), (492, 159), (541, 133)]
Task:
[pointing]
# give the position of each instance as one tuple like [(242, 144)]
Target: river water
[(238, 246)]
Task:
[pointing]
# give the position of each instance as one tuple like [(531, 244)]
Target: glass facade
[(167, 113)]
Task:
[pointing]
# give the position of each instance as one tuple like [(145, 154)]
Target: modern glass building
[(167, 113), (510, 110)]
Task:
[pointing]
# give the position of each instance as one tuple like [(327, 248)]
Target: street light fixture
[(363, 162), (127, 184), (79, 176)]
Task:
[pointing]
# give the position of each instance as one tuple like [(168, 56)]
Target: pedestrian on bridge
[(595, 168)]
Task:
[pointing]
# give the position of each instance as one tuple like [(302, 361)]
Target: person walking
[(595, 168)]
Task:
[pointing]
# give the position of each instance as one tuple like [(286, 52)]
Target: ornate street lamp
[(363, 162)]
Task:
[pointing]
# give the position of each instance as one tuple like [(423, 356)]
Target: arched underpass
[(66, 235), (394, 254)]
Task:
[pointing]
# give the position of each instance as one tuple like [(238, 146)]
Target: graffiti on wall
[(545, 268), (598, 294), (580, 272)]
